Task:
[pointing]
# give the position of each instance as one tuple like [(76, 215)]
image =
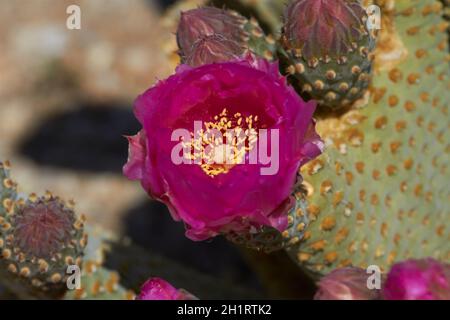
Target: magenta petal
[(159, 289), (313, 146), (133, 169), (278, 218)]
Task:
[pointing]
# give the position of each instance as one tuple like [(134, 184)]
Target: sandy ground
[(48, 71)]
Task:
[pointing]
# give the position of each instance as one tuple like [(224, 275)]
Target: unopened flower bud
[(346, 284), (425, 279)]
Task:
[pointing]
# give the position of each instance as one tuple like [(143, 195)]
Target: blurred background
[(66, 100)]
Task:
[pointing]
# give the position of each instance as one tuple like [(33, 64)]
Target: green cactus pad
[(8, 193), (380, 192), (40, 238), (259, 43), (98, 282)]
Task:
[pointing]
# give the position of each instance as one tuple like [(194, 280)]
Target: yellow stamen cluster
[(222, 143)]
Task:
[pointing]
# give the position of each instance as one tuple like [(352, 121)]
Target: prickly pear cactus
[(380, 191), (40, 237), (111, 268), (378, 194)]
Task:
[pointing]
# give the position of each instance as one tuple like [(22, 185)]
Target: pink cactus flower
[(158, 289), (425, 279), (346, 284), (213, 196)]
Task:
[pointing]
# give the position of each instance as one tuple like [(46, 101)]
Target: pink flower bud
[(213, 49), (346, 284), (322, 28), (158, 289), (425, 279), (198, 23)]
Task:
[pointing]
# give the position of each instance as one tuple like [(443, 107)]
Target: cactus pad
[(380, 192), (40, 238)]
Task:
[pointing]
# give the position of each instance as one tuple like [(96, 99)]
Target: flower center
[(223, 143)]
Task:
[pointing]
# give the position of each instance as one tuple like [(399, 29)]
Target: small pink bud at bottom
[(346, 284), (159, 289), (425, 279)]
